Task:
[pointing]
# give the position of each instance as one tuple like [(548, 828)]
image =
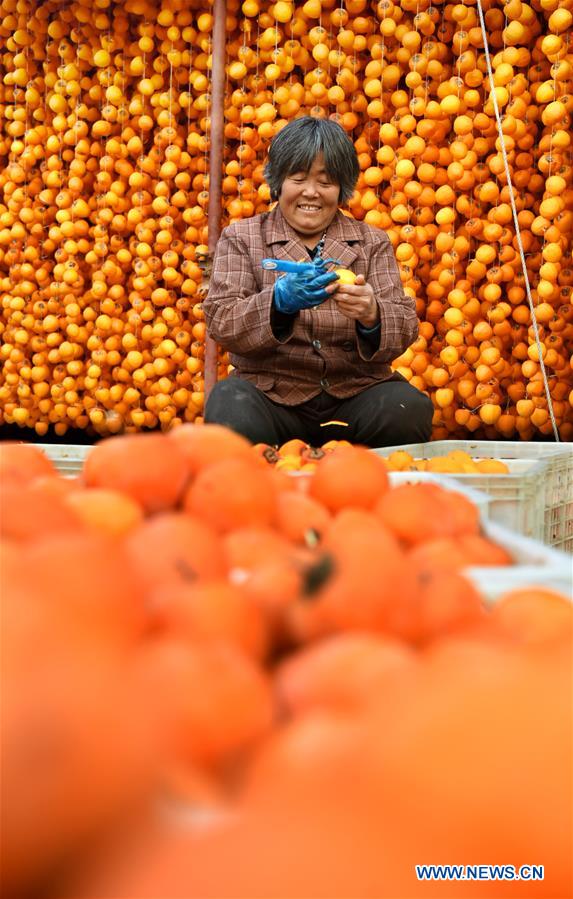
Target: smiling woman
[(311, 351), (312, 168), (309, 201)]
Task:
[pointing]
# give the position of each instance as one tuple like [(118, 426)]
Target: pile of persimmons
[(219, 680), (298, 456), (105, 133)]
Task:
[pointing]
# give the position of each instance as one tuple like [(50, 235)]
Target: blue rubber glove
[(302, 291)]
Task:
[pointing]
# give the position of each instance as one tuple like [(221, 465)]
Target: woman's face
[(309, 200)]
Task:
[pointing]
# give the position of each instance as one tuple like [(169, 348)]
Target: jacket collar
[(341, 236)]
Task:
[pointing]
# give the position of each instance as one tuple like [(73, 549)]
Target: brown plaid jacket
[(323, 351)]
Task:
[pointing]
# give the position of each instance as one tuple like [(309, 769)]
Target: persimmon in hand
[(355, 298), (345, 275)]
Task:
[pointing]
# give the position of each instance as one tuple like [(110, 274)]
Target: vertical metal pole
[(216, 138)]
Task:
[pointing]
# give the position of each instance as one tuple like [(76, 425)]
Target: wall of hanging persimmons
[(104, 137)]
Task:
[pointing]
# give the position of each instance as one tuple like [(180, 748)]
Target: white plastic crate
[(535, 565), (68, 458), (534, 499)]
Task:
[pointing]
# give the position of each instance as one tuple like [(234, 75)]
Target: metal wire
[(517, 228)]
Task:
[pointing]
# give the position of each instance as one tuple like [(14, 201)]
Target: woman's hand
[(356, 302), (303, 290)]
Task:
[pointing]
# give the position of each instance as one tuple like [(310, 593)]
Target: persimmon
[(334, 444), (345, 276), (419, 512), (444, 602), (308, 776), (453, 554), (441, 464), (311, 455), (96, 594), (184, 549), (288, 463), (267, 454), (75, 694), (202, 445), (29, 513), (108, 511), (350, 590), (170, 862), (213, 611), (399, 460), (274, 585), (292, 448), (492, 466), (300, 518), (147, 467), (55, 484), (463, 513), (534, 617), (247, 547), (210, 726), (325, 769), (351, 476), (21, 463), (340, 671), (231, 493)]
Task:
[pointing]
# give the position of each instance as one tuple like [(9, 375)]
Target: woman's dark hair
[(297, 145)]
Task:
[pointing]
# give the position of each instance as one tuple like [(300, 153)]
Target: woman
[(312, 355)]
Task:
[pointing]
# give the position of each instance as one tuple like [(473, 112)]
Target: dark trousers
[(388, 414)]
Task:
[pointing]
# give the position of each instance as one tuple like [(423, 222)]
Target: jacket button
[(316, 344), (324, 383), (348, 345)]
